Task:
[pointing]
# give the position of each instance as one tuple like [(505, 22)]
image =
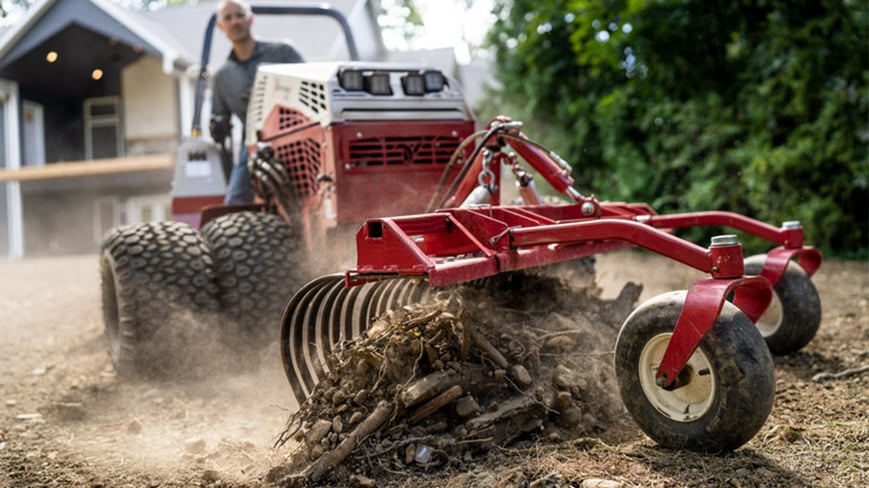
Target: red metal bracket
[(702, 307), (777, 261)]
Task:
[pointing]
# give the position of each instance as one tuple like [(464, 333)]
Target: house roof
[(48, 18), (176, 33)]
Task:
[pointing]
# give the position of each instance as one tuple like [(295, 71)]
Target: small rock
[(39, 371), (317, 432), (561, 343), (11, 403), (210, 476), (550, 481), (360, 397), (600, 483), (317, 451), (467, 406), (338, 398), (355, 418), (67, 411), (134, 427), (194, 445), (28, 416), (499, 375), (337, 424), (571, 416), (562, 377), (520, 376), (409, 453), (362, 481)]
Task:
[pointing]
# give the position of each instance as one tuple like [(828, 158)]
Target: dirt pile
[(521, 358)]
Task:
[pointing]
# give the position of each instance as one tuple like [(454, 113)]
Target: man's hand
[(220, 128)]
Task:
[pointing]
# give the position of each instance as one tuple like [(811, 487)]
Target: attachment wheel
[(794, 316), (727, 386)]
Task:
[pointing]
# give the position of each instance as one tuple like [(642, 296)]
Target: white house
[(94, 100)]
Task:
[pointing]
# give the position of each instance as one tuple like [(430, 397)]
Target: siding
[(150, 107)]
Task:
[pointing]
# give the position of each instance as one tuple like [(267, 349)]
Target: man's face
[(234, 22)]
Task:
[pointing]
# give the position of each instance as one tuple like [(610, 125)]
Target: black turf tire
[(732, 380), (259, 262), (794, 317), (157, 286)]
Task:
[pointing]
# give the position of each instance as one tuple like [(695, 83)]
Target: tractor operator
[(233, 81)]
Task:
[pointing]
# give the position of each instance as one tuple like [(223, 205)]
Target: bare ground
[(68, 421)]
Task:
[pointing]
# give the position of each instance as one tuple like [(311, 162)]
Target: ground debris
[(439, 384), (842, 374)]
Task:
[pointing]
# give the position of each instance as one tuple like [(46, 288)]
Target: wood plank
[(73, 169)]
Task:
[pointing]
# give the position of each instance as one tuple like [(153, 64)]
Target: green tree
[(8, 6), (754, 106)]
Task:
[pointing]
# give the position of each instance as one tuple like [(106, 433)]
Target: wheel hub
[(693, 396), (771, 320)]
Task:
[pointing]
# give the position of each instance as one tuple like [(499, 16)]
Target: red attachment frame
[(462, 244)]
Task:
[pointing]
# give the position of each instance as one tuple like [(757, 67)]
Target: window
[(107, 214), (112, 211), (147, 208), (103, 135)]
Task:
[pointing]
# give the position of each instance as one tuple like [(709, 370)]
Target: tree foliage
[(8, 6), (753, 106)]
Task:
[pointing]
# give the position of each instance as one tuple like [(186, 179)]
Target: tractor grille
[(290, 119), (313, 96), (391, 151), (302, 162)]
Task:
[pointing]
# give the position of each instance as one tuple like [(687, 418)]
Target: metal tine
[(349, 317), (324, 325), (399, 294), (310, 334), (381, 303), (294, 335), (336, 325), (324, 312), (369, 306), (416, 291)]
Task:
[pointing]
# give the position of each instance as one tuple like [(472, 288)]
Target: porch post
[(185, 102), (12, 135)]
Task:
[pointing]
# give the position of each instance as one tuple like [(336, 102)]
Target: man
[(233, 81)]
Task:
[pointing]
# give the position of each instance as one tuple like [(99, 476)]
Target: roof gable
[(49, 17)]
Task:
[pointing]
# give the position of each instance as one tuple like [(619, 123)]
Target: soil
[(68, 420)]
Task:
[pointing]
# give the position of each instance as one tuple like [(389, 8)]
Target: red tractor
[(390, 153), (333, 144)]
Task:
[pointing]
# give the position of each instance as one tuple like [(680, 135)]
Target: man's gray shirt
[(233, 81)]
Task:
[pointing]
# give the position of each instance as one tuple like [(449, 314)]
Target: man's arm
[(219, 124)]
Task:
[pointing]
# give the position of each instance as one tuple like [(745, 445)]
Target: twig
[(329, 460), (489, 350), (841, 374)]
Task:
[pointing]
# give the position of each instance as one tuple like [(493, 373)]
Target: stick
[(489, 350), (427, 387), (436, 403), (841, 374), (329, 460)]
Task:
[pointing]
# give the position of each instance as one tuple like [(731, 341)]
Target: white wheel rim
[(771, 320), (688, 402)]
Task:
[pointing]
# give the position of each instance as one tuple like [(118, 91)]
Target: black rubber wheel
[(793, 317), (729, 381), (259, 262), (157, 284)]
